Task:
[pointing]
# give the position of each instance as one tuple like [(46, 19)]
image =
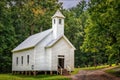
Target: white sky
[(69, 3)]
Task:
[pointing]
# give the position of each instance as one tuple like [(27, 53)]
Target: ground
[(94, 75), (89, 73)]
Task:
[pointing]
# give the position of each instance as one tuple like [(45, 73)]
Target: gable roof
[(32, 40), (53, 42), (58, 14)]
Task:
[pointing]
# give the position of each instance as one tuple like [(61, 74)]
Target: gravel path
[(94, 75)]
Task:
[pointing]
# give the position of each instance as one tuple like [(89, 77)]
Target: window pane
[(60, 21), (54, 21), (17, 61), (27, 59), (60, 55), (21, 59)]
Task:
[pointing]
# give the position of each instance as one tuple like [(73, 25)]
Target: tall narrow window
[(60, 21), (22, 60), (28, 59), (54, 21), (16, 60)]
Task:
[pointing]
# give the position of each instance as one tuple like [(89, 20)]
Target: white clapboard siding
[(72, 59), (42, 56), (25, 66), (62, 48)]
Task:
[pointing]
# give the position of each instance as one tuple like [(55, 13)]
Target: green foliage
[(7, 37), (74, 30), (102, 30)]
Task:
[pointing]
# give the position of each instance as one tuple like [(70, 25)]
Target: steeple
[(58, 24), (58, 14)]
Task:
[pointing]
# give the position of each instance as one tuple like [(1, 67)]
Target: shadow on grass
[(114, 71)]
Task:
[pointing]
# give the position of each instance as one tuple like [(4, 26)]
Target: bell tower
[(58, 24)]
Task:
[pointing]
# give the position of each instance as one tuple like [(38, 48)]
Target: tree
[(74, 30), (102, 32), (32, 16), (7, 37)]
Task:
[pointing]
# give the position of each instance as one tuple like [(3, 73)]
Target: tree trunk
[(41, 28), (31, 29)]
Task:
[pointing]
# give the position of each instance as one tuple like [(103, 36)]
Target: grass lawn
[(52, 77), (114, 71), (38, 77)]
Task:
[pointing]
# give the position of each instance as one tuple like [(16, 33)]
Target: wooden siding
[(62, 48), (25, 66), (42, 55)]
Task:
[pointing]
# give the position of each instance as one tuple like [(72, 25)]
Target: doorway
[(60, 63)]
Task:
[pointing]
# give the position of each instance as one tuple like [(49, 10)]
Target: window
[(60, 55), (22, 60), (54, 21), (16, 60), (60, 21), (27, 59)]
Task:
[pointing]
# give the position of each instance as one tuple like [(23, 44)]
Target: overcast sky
[(69, 3)]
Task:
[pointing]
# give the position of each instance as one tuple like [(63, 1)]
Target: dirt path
[(94, 75)]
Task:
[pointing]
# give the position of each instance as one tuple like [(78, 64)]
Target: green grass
[(76, 70), (114, 71), (38, 77)]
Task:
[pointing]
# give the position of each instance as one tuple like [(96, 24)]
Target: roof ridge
[(58, 14)]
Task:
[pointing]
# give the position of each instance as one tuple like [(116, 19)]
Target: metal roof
[(32, 40)]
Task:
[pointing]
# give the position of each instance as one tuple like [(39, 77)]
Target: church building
[(48, 51)]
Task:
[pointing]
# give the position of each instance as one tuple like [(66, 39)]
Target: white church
[(48, 51)]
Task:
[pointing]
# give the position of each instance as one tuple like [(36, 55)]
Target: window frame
[(54, 21), (16, 60), (60, 21), (22, 60), (28, 59)]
